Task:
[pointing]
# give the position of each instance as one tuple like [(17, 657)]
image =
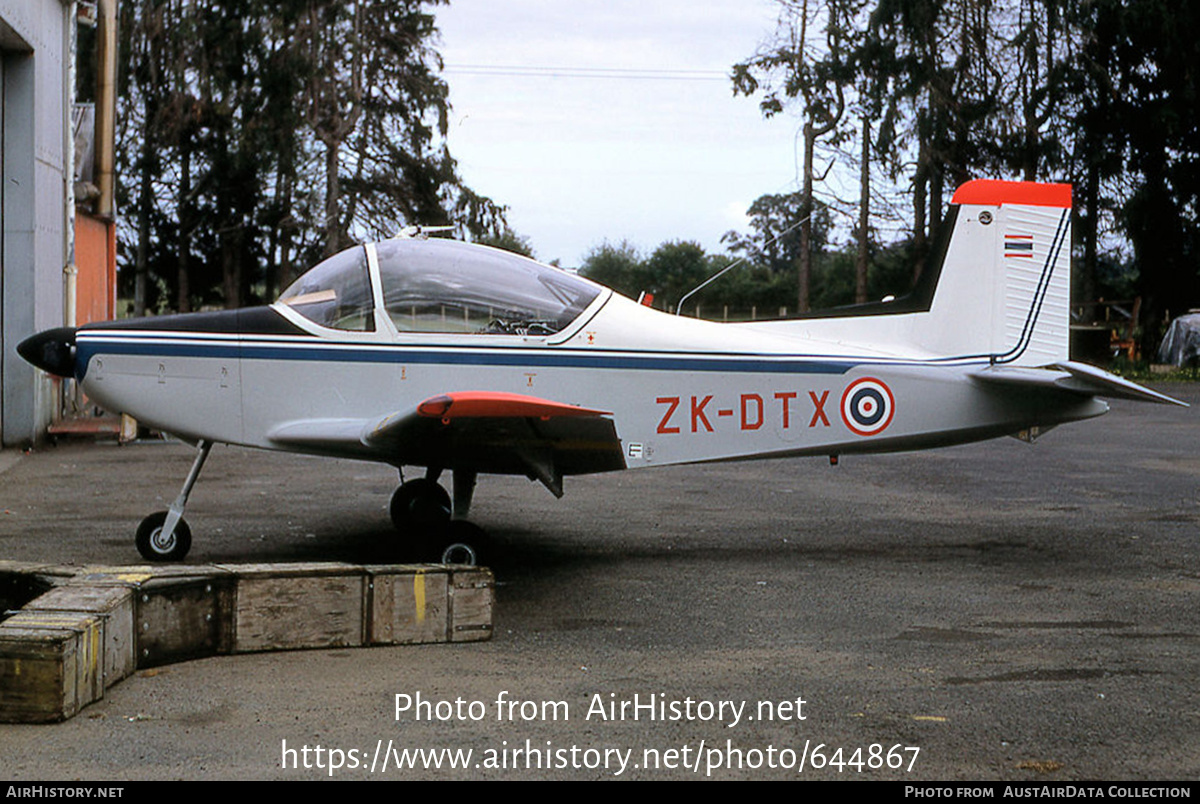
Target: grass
[(1142, 371)]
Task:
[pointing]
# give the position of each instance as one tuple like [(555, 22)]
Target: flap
[(490, 432)]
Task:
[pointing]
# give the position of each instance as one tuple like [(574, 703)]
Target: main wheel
[(421, 505), (461, 542), (152, 545)]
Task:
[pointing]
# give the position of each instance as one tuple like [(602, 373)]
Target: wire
[(609, 73)]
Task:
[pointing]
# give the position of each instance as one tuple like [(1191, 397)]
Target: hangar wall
[(35, 196)]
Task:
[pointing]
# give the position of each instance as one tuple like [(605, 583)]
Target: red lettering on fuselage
[(819, 404), (747, 424), (673, 402), (786, 398), (698, 414), (751, 411)]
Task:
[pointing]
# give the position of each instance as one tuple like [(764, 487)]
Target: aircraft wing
[(490, 432), (1079, 378)]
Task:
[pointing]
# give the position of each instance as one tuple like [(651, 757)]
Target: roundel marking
[(867, 406)]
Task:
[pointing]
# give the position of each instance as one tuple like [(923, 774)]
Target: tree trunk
[(184, 246), (332, 191), (1091, 226), (864, 215), (920, 182), (804, 269), (145, 202)]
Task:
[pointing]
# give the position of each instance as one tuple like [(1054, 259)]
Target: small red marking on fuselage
[(819, 413)]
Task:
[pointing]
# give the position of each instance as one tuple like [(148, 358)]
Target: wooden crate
[(50, 665), (185, 617), (115, 605), (472, 596), (17, 590), (290, 606), (408, 605), (181, 611)]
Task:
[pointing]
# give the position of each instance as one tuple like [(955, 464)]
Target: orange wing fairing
[(497, 404), (998, 193)]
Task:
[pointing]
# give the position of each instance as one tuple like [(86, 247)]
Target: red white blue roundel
[(867, 406)]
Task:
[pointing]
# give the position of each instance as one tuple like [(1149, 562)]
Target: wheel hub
[(161, 542)]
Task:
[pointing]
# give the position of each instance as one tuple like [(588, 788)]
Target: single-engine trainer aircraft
[(450, 356)]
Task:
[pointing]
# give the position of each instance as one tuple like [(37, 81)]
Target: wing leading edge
[(488, 432)]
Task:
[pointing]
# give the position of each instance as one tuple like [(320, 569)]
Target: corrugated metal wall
[(32, 202)]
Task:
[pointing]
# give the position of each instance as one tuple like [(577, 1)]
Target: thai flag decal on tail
[(1018, 245)]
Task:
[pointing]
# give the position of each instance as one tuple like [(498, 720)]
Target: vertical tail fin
[(997, 288), (1005, 285)]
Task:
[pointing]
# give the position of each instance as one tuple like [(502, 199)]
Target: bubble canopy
[(441, 286)]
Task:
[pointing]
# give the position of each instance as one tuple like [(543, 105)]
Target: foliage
[(775, 241), (509, 241), (1099, 93), (619, 266), (258, 137), (763, 280)]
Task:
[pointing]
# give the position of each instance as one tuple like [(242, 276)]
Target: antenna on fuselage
[(733, 265), (421, 232)]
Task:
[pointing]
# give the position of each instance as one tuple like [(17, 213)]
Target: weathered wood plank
[(65, 673), (115, 605), (409, 605), (472, 596), (184, 618), (38, 677), (303, 609)]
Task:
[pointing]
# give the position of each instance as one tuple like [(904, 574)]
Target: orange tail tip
[(994, 192)]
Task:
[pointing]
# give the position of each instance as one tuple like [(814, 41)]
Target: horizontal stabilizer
[(1078, 378)]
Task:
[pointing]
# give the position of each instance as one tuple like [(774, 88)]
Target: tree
[(618, 266), (675, 268), (1143, 114), (817, 74), (509, 241), (261, 136)]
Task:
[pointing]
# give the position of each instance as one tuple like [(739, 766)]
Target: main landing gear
[(421, 510), (436, 527)]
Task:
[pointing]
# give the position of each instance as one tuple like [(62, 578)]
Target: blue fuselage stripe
[(465, 356)]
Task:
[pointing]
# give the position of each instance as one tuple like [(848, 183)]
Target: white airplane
[(450, 356)]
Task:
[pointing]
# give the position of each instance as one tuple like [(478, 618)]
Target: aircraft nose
[(52, 351)]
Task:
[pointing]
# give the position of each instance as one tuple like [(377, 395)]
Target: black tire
[(153, 548), (419, 505), (461, 542)]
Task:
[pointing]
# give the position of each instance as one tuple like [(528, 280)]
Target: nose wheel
[(155, 543), (164, 536)]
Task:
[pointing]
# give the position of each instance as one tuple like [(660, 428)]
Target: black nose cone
[(52, 351)]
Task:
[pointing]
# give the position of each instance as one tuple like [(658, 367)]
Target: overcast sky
[(614, 120)]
